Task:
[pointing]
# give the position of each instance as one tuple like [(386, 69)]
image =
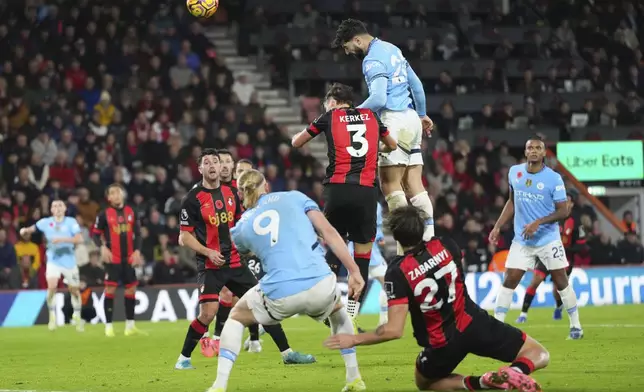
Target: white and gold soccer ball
[(202, 8)]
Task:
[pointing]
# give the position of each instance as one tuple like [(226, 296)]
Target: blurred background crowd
[(93, 93)]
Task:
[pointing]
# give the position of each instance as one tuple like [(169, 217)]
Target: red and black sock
[(253, 330), (108, 307), (523, 364), (195, 331), (278, 336), (222, 315), (474, 383), (130, 302), (527, 300), (363, 260)]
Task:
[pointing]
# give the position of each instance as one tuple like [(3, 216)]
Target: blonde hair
[(250, 184)]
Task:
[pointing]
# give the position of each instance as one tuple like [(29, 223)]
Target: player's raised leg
[(538, 278), (418, 197)]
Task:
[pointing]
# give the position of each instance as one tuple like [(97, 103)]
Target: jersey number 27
[(430, 302)]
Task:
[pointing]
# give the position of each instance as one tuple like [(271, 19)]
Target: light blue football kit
[(535, 196), (280, 234), (61, 258)]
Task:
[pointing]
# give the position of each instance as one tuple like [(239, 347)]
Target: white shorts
[(318, 302), (407, 129), (71, 276), (378, 271), (552, 255)]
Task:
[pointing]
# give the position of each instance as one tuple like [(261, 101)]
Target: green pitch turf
[(609, 358)]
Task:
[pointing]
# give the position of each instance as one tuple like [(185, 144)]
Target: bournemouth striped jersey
[(353, 137)]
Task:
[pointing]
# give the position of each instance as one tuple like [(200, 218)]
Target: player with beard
[(208, 213), (227, 300), (396, 95)]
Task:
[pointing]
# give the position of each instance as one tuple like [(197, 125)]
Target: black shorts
[(352, 210), (541, 269), (485, 336), (122, 273), (211, 281)]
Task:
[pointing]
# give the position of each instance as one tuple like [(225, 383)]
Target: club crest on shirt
[(230, 201), (528, 182), (540, 186)]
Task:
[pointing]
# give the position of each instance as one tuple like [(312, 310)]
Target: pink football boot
[(208, 347)]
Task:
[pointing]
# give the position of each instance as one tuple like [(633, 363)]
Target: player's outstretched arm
[(333, 239), (28, 230), (391, 330), (377, 95)]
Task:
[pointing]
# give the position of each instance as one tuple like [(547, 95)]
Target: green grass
[(609, 358)]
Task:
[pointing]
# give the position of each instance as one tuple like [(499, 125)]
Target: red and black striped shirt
[(121, 230), (353, 137), (431, 281), (210, 214)]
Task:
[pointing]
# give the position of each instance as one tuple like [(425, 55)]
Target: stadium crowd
[(92, 95)]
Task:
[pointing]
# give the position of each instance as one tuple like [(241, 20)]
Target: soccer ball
[(202, 8)]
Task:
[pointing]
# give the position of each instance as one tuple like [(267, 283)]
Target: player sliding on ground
[(396, 94), (62, 234), (570, 237), (280, 228), (428, 282), (538, 201)]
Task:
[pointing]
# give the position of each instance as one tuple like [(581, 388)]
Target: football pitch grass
[(609, 358)]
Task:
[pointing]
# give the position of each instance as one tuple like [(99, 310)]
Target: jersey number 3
[(430, 302), (268, 222), (357, 132)]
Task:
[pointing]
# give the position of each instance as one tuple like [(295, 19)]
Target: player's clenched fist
[(494, 236), (356, 285), (428, 125)]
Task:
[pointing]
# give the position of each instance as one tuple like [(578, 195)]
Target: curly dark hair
[(205, 152), (348, 29)]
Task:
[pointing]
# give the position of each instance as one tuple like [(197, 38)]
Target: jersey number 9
[(268, 222), (400, 69)]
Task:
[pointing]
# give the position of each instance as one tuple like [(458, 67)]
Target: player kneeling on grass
[(280, 229), (428, 281)]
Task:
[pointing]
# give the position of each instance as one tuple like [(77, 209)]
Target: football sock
[(523, 365), (395, 200), (222, 315), (195, 333), (503, 301), (130, 301), (230, 346), (76, 303), (362, 260), (253, 330), (341, 324), (384, 308), (279, 337), (559, 303), (527, 300), (569, 299), (424, 203), (51, 300), (474, 383), (108, 307)]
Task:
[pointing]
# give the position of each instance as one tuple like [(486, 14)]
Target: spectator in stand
[(8, 261), (629, 222), (630, 249)]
